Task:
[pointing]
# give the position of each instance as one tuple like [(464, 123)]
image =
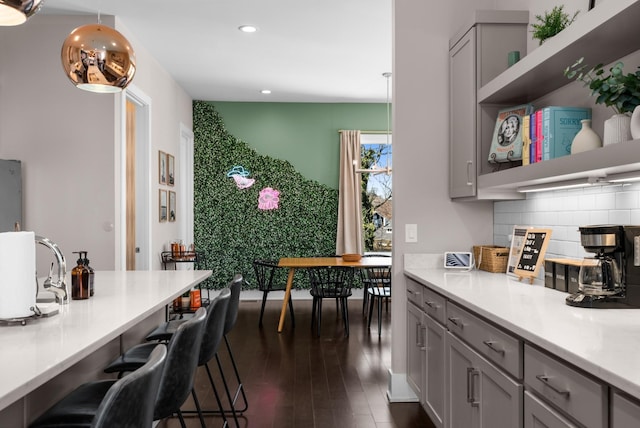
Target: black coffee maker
[(611, 278)]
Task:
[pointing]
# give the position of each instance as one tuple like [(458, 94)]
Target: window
[(377, 211)]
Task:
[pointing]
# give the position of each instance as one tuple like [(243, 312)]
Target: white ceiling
[(303, 51)]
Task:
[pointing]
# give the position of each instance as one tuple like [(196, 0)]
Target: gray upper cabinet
[(476, 56), (602, 35)]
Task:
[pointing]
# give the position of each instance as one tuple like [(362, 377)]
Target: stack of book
[(549, 132), (535, 136)]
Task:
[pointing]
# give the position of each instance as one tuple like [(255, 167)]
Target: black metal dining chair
[(127, 402), (265, 271), (330, 282), (377, 287)]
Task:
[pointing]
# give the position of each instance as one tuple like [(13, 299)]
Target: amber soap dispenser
[(80, 280)]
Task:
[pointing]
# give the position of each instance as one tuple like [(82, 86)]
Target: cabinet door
[(480, 395), (462, 117), (461, 407), (624, 412), (538, 415), (500, 398), (434, 386), (415, 349)]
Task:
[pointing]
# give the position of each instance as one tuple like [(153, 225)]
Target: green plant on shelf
[(616, 89), (551, 23)]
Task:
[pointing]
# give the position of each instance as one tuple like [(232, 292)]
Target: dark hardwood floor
[(295, 379)]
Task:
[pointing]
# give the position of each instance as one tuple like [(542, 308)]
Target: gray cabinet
[(480, 395), (434, 385), (625, 412), (415, 349), (537, 414), (569, 390), (477, 55)]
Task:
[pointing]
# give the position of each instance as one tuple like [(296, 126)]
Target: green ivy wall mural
[(230, 229)]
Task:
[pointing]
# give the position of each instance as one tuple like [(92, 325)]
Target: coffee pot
[(610, 277), (600, 276)]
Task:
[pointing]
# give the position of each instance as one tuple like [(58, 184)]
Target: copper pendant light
[(97, 58), (16, 12)]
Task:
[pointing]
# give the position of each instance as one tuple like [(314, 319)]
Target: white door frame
[(185, 197), (143, 169)]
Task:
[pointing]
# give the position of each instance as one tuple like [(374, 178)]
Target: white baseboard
[(399, 390)]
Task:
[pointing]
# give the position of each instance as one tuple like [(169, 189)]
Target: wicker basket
[(492, 258)]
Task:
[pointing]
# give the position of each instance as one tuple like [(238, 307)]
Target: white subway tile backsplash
[(606, 201), (626, 200), (635, 217), (587, 202), (598, 217), (566, 210), (620, 216)]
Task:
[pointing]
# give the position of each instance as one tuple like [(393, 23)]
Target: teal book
[(507, 136), (559, 126)]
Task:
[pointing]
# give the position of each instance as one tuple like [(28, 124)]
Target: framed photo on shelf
[(162, 167), (162, 204), (171, 161), (172, 205)]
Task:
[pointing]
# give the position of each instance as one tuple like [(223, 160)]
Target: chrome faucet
[(59, 287)]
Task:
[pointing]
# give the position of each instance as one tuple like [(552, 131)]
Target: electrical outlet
[(411, 233)]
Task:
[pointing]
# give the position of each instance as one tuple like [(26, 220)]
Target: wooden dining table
[(294, 263)]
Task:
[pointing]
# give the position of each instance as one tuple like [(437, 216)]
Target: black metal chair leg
[(264, 302), (319, 321), (181, 419), (240, 388), (226, 389), (215, 393), (379, 315), (371, 303), (345, 315), (365, 300), (198, 409)]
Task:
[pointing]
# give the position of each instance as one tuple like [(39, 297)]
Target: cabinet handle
[(469, 179), (432, 305), (471, 375), (491, 345), (545, 380), (411, 292), (456, 322), (419, 342), (423, 328)]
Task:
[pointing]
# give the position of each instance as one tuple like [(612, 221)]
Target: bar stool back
[(126, 402)]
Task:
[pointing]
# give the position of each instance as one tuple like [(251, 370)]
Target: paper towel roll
[(17, 274)]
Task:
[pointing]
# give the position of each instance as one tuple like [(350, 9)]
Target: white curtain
[(349, 239)]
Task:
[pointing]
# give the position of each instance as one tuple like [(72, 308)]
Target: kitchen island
[(84, 335), (604, 344)]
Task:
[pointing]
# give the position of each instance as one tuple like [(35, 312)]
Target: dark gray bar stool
[(126, 402)]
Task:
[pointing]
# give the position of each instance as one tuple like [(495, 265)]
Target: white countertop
[(603, 342), (31, 355)]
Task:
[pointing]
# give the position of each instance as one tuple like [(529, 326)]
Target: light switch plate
[(411, 233)]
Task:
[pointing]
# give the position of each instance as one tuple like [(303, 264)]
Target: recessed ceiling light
[(265, 91), (248, 28)]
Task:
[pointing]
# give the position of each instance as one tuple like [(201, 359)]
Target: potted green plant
[(551, 23), (615, 89)]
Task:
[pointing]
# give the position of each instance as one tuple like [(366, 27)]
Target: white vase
[(635, 123), (617, 129), (585, 139)]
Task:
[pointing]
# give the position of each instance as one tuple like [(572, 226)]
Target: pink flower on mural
[(243, 182), (268, 199)]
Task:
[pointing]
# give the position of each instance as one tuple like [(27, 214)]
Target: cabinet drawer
[(434, 305), (498, 346), (568, 389), (414, 292), (538, 414)]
